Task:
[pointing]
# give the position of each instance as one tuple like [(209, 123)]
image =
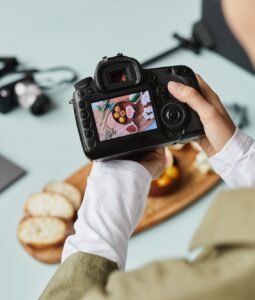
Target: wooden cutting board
[(192, 186)]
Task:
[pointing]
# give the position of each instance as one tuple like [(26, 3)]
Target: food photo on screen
[(124, 115)]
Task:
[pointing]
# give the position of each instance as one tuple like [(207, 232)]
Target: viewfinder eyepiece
[(116, 73)]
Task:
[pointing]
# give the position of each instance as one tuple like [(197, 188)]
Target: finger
[(192, 97)]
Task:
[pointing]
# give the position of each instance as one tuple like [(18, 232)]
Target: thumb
[(191, 96)]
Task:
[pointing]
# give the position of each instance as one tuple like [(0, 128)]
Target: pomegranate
[(131, 128)]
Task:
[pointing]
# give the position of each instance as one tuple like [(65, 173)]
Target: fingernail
[(174, 86)]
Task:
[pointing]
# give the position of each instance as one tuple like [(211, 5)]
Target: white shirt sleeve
[(235, 163), (115, 199)]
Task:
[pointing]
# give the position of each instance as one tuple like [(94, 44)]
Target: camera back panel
[(116, 118)]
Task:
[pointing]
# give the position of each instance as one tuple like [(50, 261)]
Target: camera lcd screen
[(124, 115)]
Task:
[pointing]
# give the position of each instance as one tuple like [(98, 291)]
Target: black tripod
[(201, 38)]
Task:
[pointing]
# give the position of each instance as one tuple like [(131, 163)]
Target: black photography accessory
[(29, 91), (25, 93), (7, 65), (211, 32), (126, 109), (238, 114), (201, 37)]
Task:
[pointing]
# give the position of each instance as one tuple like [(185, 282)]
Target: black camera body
[(26, 93), (126, 109)]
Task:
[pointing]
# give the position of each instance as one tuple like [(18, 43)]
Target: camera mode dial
[(174, 115)]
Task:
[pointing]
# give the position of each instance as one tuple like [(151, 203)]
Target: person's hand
[(154, 161), (218, 126)]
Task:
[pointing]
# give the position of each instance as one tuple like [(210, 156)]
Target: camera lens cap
[(174, 115)]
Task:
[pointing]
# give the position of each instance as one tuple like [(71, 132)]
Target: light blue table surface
[(78, 33)]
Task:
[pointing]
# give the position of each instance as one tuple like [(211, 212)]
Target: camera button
[(160, 90), (92, 143), (82, 104), (174, 115), (183, 71), (90, 91), (81, 93), (89, 133), (85, 114), (86, 124)]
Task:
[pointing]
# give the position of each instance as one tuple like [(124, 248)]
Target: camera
[(20, 86), (126, 109), (25, 93)]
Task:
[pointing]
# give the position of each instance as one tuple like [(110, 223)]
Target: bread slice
[(49, 204), (42, 232), (66, 189)]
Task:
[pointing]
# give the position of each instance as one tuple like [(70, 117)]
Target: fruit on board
[(117, 108), (169, 180), (164, 180), (116, 115), (122, 113), (132, 128), (122, 120), (173, 172)]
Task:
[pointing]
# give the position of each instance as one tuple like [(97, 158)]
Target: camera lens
[(174, 115), (41, 105)]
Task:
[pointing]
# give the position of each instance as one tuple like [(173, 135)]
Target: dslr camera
[(126, 109)]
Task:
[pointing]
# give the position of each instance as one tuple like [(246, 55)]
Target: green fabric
[(229, 221), (225, 270), (79, 273)]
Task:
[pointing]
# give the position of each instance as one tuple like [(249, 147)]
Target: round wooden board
[(47, 255), (192, 186)]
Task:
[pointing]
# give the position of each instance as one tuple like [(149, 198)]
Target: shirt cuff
[(231, 153)]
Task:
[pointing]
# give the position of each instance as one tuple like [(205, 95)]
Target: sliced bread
[(66, 189), (41, 232), (49, 204)]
